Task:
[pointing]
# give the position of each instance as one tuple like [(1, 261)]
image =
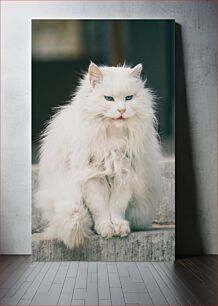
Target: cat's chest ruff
[(114, 161), (110, 155)]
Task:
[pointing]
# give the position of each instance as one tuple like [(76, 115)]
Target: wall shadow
[(188, 233)]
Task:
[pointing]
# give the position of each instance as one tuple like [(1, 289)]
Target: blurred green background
[(62, 50)]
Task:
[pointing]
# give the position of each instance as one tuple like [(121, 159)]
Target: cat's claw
[(121, 228), (105, 229)]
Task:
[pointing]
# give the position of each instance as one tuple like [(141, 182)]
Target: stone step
[(157, 244)]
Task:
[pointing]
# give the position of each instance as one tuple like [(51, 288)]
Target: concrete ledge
[(157, 244)]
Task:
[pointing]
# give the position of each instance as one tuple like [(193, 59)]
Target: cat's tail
[(69, 222), (73, 226)]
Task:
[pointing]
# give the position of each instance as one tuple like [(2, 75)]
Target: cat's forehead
[(115, 72), (118, 81)]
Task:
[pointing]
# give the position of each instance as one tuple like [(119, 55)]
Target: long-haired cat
[(99, 159)]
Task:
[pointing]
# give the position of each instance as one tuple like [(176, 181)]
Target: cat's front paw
[(121, 228), (105, 229)]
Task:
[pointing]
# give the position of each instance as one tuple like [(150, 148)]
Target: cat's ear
[(95, 74), (136, 71)]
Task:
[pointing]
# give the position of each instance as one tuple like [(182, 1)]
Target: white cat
[(99, 159)]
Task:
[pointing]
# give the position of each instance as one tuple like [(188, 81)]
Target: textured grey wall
[(196, 112)]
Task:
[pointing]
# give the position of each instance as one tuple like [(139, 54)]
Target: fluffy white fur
[(97, 171)]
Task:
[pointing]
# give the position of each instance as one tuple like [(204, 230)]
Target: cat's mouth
[(119, 118)]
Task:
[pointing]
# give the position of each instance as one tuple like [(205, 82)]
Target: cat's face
[(116, 93)]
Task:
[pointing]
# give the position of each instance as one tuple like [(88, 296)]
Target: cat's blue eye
[(109, 98), (127, 98)]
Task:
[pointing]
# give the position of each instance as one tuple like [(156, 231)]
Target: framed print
[(103, 167)]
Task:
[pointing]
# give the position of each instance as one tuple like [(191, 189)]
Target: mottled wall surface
[(196, 157)]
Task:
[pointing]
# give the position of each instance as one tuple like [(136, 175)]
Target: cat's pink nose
[(121, 110)]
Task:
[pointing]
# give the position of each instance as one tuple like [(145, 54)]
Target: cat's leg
[(119, 201), (140, 212), (97, 201), (146, 195)]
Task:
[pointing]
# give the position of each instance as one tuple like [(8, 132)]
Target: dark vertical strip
[(188, 227)]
